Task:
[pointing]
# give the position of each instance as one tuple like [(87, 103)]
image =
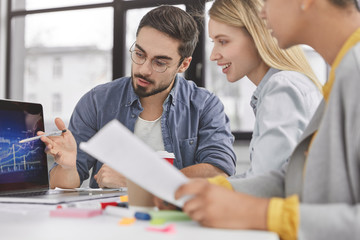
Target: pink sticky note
[(168, 229), (75, 212)]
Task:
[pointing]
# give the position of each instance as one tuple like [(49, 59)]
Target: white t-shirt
[(150, 133)]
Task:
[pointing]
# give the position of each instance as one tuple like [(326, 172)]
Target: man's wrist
[(67, 168)]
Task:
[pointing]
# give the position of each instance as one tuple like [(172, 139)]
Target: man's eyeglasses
[(139, 57)]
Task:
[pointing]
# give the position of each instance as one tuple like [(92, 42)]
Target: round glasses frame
[(156, 64)]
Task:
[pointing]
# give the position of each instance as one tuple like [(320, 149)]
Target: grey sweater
[(329, 190)]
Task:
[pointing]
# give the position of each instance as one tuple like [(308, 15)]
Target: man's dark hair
[(175, 23)]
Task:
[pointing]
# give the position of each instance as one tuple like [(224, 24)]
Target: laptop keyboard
[(27, 194)]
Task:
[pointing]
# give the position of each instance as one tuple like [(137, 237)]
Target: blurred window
[(58, 56)]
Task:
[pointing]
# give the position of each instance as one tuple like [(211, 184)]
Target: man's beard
[(141, 91)]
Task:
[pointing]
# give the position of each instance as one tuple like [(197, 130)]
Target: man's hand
[(218, 207), (109, 178), (63, 148)]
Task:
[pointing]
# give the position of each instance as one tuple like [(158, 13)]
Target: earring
[(302, 7)]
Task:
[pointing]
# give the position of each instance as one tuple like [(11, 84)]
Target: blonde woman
[(287, 92)]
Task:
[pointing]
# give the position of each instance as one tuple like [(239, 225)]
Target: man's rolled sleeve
[(215, 138)]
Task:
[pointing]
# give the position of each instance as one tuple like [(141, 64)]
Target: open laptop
[(23, 166)]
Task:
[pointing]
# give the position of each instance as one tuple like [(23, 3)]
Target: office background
[(52, 52)]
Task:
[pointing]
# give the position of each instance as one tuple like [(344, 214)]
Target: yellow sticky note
[(124, 198), (127, 221)]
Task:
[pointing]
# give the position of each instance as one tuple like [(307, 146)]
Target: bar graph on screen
[(18, 157)]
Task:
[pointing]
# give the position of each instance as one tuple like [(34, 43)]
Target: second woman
[(287, 92)]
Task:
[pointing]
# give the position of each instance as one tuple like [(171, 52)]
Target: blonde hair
[(245, 13)]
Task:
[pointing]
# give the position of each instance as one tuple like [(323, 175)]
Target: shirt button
[(133, 115), (191, 142), (129, 103)]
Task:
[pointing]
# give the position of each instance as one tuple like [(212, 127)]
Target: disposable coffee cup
[(169, 157), (139, 198)]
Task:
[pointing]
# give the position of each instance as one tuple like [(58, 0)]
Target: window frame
[(196, 71)]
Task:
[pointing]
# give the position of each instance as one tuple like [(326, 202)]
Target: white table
[(28, 221)]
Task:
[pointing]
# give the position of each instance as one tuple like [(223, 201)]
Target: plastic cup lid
[(165, 154)]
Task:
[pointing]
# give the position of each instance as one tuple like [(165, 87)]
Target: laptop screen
[(22, 165)]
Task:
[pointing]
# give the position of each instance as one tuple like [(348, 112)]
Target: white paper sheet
[(116, 146)]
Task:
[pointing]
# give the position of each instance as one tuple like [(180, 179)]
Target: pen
[(90, 205), (57, 133), (127, 213)]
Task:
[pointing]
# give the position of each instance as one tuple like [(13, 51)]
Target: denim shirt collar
[(133, 97), (256, 94), (173, 92)]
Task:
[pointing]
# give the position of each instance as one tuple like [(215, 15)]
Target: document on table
[(118, 147)]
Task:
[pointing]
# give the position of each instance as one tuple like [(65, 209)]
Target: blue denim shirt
[(193, 123)]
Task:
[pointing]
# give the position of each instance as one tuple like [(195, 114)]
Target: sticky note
[(168, 229), (157, 221), (124, 198), (169, 215), (127, 221), (75, 212)]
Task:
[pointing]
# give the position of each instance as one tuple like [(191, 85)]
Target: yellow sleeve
[(220, 181), (283, 217)]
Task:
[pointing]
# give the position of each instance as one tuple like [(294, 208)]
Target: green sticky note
[(169, 215), (157, 221)]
